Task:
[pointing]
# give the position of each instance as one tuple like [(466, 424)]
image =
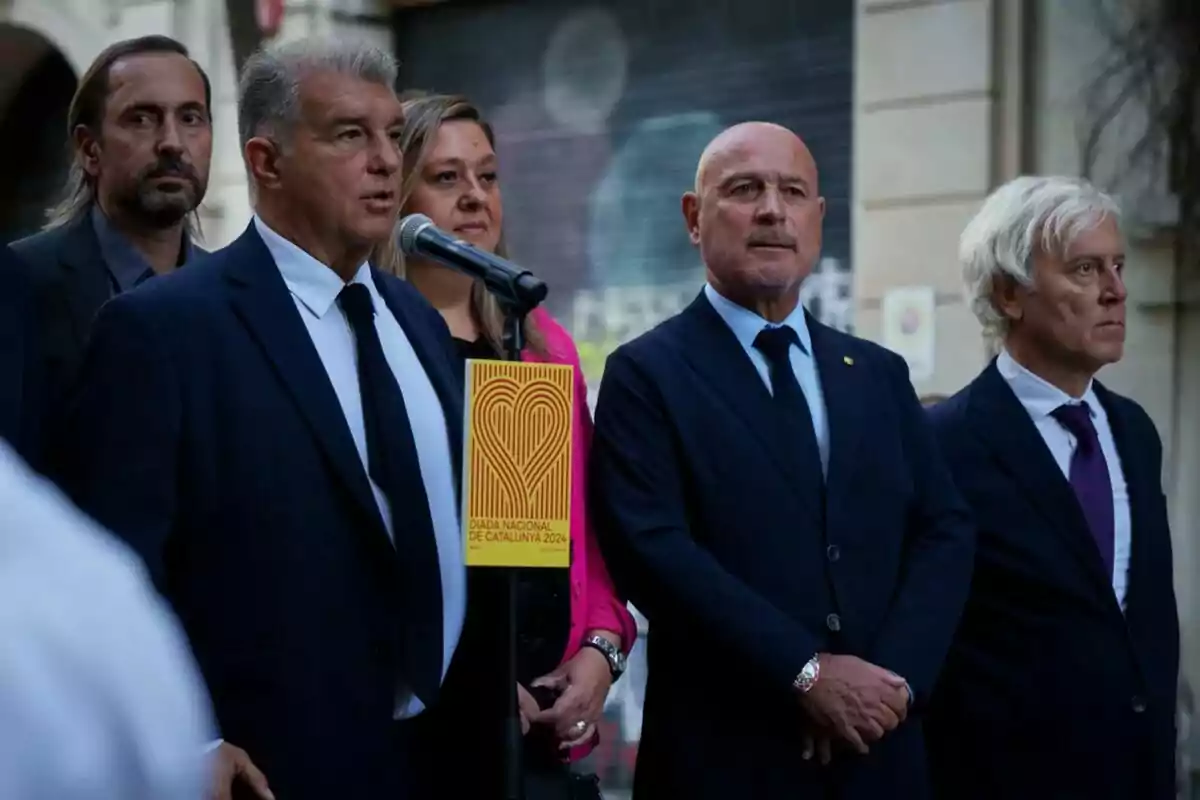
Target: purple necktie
[(1090, 479)]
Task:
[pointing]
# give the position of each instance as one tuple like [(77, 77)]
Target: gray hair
[(1023, 217), (269, 86)]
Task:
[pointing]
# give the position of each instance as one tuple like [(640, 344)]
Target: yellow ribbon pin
[(849, 361)]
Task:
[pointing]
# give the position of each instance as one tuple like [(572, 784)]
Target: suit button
[(1138, 704), (833, 622), (833, 552)]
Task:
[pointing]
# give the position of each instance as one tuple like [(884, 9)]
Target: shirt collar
[(1039, 396), (315, 284), (746, 325), (125, 264)]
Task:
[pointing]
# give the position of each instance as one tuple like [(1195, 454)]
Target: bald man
[(770, 498)]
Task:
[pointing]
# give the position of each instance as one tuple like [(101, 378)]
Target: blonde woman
[(573, 629)]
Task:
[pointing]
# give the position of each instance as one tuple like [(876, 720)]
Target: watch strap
[(611, 653)]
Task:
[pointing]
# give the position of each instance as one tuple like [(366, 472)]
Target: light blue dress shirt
[(315, 289), (746, 326)]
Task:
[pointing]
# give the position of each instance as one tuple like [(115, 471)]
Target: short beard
[(155, 209), (155, 215)]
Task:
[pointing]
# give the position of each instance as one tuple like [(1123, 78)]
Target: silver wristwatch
[(808, 675), (613, 654)]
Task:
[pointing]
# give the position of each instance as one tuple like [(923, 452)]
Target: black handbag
[(562, 785), (586, 787)]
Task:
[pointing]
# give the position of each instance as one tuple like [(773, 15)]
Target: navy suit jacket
[(743, 582), (18, 364), (69, 284), (206, 434), (1050, 691)]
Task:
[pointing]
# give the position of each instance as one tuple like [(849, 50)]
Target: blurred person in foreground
[(278, 435), (768, 493), (574, 633), (141, 136), (1062, 680), (99, 696)]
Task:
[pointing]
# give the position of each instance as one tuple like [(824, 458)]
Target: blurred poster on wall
[(601, 111), (908, 319)]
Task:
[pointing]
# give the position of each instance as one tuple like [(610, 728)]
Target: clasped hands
[(853, 701), (582, 685)]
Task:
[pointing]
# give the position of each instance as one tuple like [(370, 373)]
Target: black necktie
[(396, 470), (774, 343)]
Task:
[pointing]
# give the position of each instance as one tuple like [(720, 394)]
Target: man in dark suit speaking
[(1061, 684), (772, 500), (276, 432)]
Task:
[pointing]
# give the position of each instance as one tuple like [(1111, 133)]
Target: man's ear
[(1008, 297), (690, 204), (262, 160), (87, 149)]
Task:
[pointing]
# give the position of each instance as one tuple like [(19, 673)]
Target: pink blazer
[(594, 602)]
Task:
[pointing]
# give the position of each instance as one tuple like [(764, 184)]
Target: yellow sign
[(517, 469)]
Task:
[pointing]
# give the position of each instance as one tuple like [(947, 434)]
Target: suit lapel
[(434, 357), (1001, 421), (715, 353), (86, 275), (261, 299), (846, 392)]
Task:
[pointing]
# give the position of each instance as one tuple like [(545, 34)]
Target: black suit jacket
[(18, 363), (207, 435), (70, 282), (1050, 691), (743, 582)]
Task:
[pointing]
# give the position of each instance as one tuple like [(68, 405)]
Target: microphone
[(514, 287)]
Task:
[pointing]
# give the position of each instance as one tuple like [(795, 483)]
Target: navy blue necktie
[(396, 469), (775, 344), (1090, 479)]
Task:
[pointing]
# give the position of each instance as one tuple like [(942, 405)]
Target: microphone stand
[(517, 293), (516, 304)]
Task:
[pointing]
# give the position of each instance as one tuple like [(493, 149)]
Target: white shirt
[(315, 288), (99, 695), (746, 325), (1040, 398)]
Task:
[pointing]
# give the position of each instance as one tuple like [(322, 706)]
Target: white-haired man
[(1062, 680), (276, 434)]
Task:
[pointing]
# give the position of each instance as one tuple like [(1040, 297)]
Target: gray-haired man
[(276, 434), (1061, 682)]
